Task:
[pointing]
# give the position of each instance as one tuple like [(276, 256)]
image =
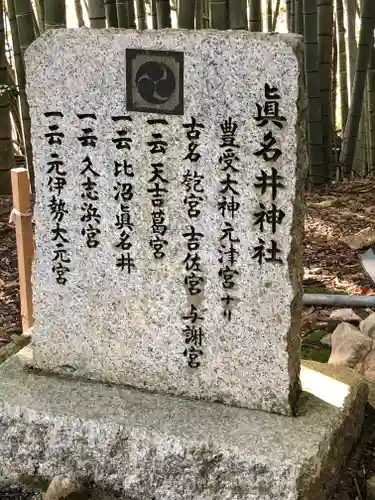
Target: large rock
[(152, 446), (367, 367), (363, 239), (179, 266), (349, 346), (345, 315), (367, 326)]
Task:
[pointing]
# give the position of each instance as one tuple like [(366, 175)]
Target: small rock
[(370, 486), (362, 239), (367, 326), (349, 346), (367, 367), (62, 487), (327, 339), (347, 315)]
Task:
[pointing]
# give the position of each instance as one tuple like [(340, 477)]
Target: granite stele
[(169, 172), (167, 211)]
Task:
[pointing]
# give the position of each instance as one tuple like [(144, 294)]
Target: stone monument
[(169, 173), (168, 212)]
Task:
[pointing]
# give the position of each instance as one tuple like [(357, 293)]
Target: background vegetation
[(339, 65)]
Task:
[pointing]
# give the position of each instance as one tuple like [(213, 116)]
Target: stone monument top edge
[(289, 39)]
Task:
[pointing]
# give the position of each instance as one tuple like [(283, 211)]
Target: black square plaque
[(155, 81)]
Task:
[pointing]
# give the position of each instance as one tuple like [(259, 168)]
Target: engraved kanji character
[(88, 139), (273, 217), (91, 213), (273, 181), (123, 167), (228, 206), (261, 252), (88, 168), (192, 129), (268, 152), (58, 208), (193, 335), (125, 262), (228, 184), (58, 233), (193, 315)]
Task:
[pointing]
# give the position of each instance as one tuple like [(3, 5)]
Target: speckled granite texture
[(154, 446), (108, 325)]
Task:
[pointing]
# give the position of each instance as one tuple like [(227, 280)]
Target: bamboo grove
[(339, 66)]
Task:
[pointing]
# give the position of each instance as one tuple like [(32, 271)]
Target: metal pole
[(332, 300)]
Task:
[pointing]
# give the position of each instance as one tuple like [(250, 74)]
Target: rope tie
[(15, 212)]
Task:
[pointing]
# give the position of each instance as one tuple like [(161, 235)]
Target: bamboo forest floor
[(330, 267)]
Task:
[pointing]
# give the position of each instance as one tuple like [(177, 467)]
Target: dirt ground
[(330, 267)]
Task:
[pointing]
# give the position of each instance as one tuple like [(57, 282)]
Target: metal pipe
[(332, 300)]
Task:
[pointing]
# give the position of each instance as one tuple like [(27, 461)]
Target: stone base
[(158, 447)]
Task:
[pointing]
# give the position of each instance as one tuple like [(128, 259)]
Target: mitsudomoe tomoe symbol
[(155, 81)]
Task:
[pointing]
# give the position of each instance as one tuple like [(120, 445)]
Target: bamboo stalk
[(299, 27), (125, 13), (314, 112), (6, 145), (343, 74), (154, 17), (20, 21), (96, 13), (110, 13), (55, 14), (186, 14), (237, 13), (269, 16), (163, 12), (366, 38), (371, 110), (276, 15), (25, 244), (39, 5), (79, 13), (141, 15), (255, 15)]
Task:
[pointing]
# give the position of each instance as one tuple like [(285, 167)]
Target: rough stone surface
[(367, 367), (327, 339), (349, 346), (367, 326), (363, 239), (370, 488), (166, 447), (105, 324), (347, 315)]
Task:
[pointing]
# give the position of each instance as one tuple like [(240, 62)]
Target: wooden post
[(22, 216)]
